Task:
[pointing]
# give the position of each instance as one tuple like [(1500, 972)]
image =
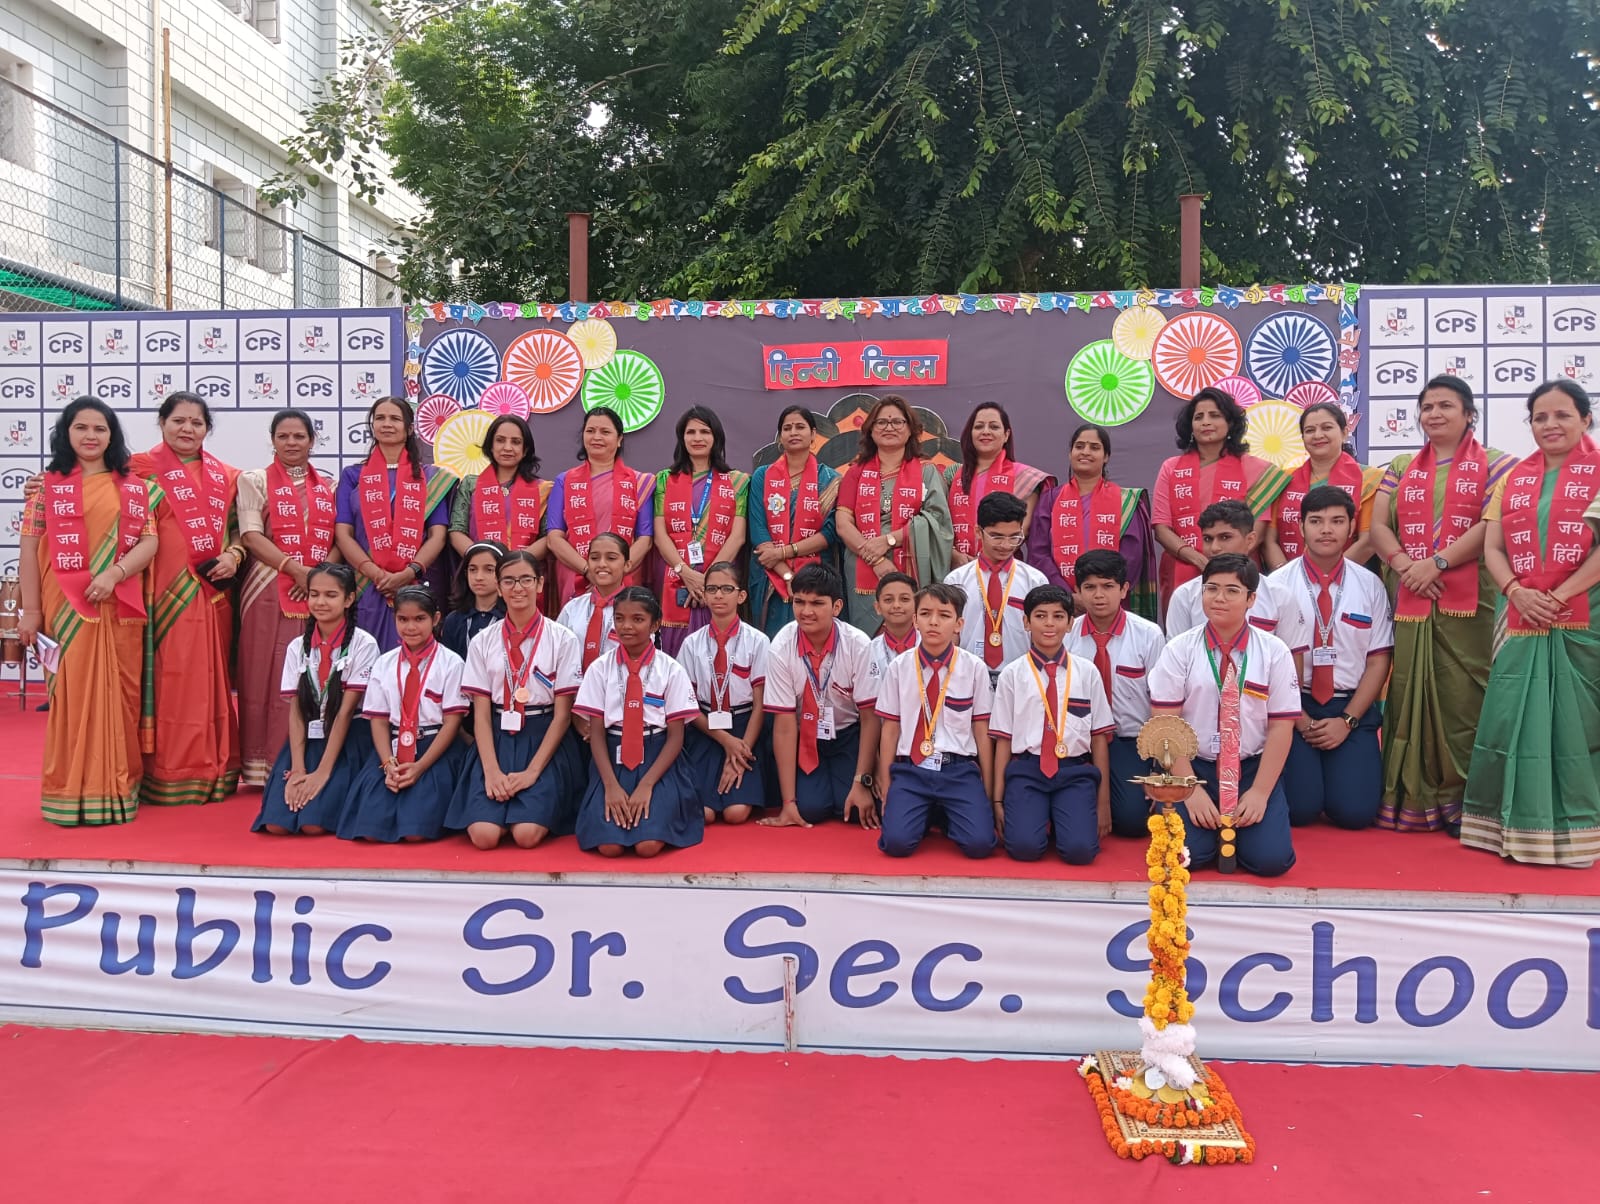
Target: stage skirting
[(942, 967)]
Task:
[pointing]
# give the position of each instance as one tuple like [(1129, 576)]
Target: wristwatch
[(787, 575), (866, 780), (1351, 721), (1440, 563), (893, 542)]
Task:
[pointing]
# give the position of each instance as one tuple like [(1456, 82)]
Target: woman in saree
[(1328, 462), (392, 516), (1215, 464), (87, 537), (286, 517), (700, 521), (892, 513), (1533, 790), (792, 520), (988, 465), (505, 503), (1428, 528), (191, 731), (600, 494), (1090, 511)]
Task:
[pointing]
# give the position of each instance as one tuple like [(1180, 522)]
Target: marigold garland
[(1110, 1099), (1166, 1001)]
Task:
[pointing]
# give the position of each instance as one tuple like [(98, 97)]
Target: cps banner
[(675, 965)]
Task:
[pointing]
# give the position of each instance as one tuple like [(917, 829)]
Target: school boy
[(1050, 725), (934, 751), (1340, 613), (895, 600), (995, 585), (1123, 648), (1225, 526), (816, 666), (1236, 687)]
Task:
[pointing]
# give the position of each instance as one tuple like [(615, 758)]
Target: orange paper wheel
[(1195, 350), (547, 366)]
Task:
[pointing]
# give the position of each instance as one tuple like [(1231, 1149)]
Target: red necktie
[(325, 650), (633, 711), (1047, 747), (1322, 675), (898, 646), (721, 688), (592, 637), (993, 619), (811, 705), (1102, 653), (411, 701), (929, 719), (512, 640)]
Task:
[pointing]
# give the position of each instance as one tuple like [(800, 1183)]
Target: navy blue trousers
[(1035, 803), (821, 795), (1130, 810), (1345, 783), (1265, 848), (915, 791)]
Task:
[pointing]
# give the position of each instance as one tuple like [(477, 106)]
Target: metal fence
[(83, 226)]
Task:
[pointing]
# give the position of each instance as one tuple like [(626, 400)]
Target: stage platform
[(1375, 947)]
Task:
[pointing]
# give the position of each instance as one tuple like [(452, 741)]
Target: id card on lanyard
[(819, 685), (518, 695)]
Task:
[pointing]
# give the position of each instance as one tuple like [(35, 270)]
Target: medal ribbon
[(994, 609), (1053, 747), (518, 668), (411, 695), (930, 718)]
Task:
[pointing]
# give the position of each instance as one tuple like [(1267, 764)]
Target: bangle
[(118, 566), (284, 563), (1511, 584), (416, 569)]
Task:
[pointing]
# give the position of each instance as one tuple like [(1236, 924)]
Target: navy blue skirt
[(377, 813), (327, 810), (703, 758), (551, 802), (675, 818)]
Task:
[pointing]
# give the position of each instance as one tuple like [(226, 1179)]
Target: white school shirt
[(575, 617), (846, 674), (354, 665), (1185, 612), (668, 694), (748, 650), (556, 657), (879, 657), (1362, 622), (441, 689), (968, 697), (1019, 710), (974, 635), (1182, 678), (1135, 645)]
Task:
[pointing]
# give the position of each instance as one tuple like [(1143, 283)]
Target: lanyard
[(995, 616), (517, 681), (1216, 671), (699, 498), (1050, 711), (931, 718), (1314, 588), (722, 685), (804, 644), (325, 654)]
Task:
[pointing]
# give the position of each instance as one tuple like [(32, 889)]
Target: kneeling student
[(1236, 687), (1339, 611), (1050, 725), (934, 751)]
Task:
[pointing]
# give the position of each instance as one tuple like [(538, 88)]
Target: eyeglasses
[(1005, 541), (518, 582), (1212, 589), (891, 424), (720, 589)]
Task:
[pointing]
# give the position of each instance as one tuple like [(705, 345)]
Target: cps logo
[(212, 341), (1573, 320), (312, 387), (1455, 321), (114, 340), (66, 342), (19, 433), (1516, 372), (214, 388), (160, 385), (162, 342), (313, 339), (13, 479), (262, 340), (15, 342), (1396, 372), (263, 387), (18, 388), (365, 338), (66, 386), (113, 388)]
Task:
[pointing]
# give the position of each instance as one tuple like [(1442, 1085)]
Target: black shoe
[(43, 706)]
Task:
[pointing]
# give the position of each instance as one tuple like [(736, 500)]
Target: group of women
[(134, 564)]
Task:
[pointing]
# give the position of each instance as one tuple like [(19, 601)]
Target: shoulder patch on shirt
[(1130, 670), (1362, 621)]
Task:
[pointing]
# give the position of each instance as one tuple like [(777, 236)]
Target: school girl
[(522, 675), (727, 663), (324, 676), (588, 615), (638, 699), (476, 603), (415, 705)]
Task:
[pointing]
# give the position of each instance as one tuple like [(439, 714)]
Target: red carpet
[(220, 835), (116, 1117)]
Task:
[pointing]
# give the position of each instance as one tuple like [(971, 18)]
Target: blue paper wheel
[(1289, 349), (461, 364)]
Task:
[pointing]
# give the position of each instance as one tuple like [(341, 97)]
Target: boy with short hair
[(934, 751), (813, 671), (1236, 687), (1225, 526), (895, 600), (995, 584), (1123, 648), (1050, 725), (1339, 612)]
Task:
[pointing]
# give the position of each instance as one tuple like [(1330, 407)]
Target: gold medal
[(926, 748), (1061, 749), (995, 638), (522, 695)]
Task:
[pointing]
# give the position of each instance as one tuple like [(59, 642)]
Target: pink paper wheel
[(1196, 350), (503, 397), (432, 413), (548, 367), (1241, 388), (1310, 392)]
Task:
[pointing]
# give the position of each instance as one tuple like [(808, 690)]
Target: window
[(16, 113), (243, 226), (384, 289), (260, 15)]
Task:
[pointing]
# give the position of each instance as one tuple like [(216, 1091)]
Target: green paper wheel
[(629, 383), (1107, 387)]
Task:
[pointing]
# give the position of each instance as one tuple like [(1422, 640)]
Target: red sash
[(489, 519), (1567, 538), (1186, 502), (1068, 540), (394, 526), (1001, 478), (713, 529), (1463, 507), (785, 527), (580, 515), (1346, 475), (68, 536), (867, 482), (202, 512), (303, 533)]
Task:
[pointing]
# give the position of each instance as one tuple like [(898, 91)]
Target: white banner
[(672, 965)]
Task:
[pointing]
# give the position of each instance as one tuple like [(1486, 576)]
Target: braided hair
[(305, 689)]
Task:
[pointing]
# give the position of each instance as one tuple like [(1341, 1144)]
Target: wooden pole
[(577, 256), (1189, 206), (166, 138)]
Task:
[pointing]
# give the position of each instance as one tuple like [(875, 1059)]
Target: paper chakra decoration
[(1135, 330), (459, 444), (546, 366), (1310, 392), (461, 364), (1107, 387), (595, 340), (503, 397), (1193, 351), (1241, 388), (1274, 433), (433, 412), (1288, 349), (630, 384)]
